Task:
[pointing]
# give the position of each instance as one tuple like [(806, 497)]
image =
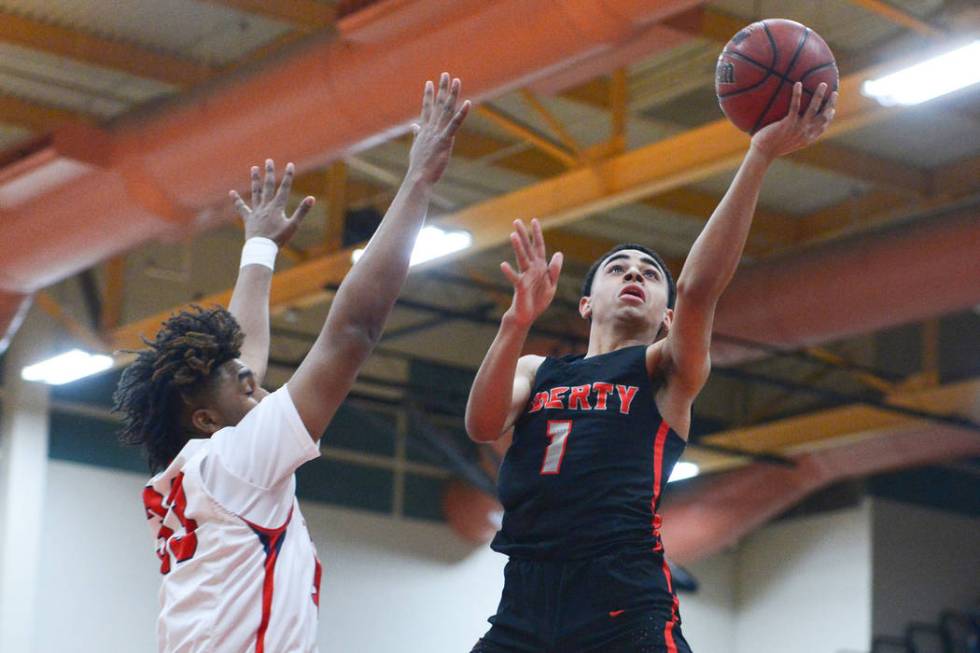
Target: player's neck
[(604, 338)]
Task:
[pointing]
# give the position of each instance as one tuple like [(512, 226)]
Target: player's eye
[(651, 274), (616, 269)]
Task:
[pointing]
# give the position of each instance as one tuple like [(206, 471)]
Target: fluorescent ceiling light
[(682, 470), (64, 368), (432, 243), (927, 80)]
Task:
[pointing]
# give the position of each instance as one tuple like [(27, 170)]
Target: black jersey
[(589, 461)]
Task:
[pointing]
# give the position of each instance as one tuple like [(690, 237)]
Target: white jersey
[(240, 572)]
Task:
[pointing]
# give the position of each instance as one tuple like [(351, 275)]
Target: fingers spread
[(523, 261), (830, 110), (525, 237), (794, 105), (282, 195), (443, 90), (816, 101), (256, 179), (554, 267), (457, 120), (301, 210), (427, 100), (509, 272), (240, 205), (449, 108), (538, 238), (269, 187)]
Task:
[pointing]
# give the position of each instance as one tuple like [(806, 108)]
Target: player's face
[(630, 286), (235, 392)]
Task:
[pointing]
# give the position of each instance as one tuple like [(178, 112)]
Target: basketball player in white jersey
[(240, 572)]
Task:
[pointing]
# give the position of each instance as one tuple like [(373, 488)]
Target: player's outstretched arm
[(716, 252), (367, 295), (503, 383), (267, 228)]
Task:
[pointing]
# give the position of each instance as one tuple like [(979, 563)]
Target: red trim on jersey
[(658, 464), (669, 628), (659, 443), (317, 575), (271, 546)]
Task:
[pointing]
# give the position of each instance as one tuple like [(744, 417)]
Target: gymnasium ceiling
[(109, 64)]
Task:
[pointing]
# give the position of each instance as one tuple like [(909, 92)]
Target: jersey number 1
[(558, 432)]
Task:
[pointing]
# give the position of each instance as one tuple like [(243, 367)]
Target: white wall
[(925, 561), (800, 586), (97, 588), (708, 616), (804, 585), (387, 586)]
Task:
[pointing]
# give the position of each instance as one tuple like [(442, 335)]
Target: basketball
[(757, 69)]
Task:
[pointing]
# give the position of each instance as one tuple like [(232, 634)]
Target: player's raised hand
[(796, 131), (266, 217), (535, 279), (436, 130)]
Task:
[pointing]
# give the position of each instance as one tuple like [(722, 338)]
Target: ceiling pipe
[(899, 274), (93, 193), (715, 513), (84, 194)]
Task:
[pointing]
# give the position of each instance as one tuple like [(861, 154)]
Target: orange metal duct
[(88, 194), (717, 512), (872, 281)]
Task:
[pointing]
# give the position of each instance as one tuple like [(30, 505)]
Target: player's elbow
[(694, 290), (481, 430)]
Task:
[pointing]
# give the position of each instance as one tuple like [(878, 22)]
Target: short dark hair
[(175, 367), (590, 275)]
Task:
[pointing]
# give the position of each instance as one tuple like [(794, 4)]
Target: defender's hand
[(795, 131), (436, 130), (536, 279), (266, 217)]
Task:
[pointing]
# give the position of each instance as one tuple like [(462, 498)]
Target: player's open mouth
[(633, 291)]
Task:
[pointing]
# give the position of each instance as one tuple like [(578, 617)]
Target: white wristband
[(259, 251)]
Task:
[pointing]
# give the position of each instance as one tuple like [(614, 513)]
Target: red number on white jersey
[(183, 546)]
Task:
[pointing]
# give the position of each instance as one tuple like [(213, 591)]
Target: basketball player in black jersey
[(596, 436)]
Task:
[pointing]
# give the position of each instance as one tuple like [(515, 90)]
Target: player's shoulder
[(656, 358), (194, 450), (527, 365), (530, 361)]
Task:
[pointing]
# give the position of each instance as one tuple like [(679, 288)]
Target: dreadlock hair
[(178, 364), (590, 275)]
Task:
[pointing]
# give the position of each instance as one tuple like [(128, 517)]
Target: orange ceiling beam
[(334, 96)]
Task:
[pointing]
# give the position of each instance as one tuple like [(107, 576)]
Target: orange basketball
[(757, 69)]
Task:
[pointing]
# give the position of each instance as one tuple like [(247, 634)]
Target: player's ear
[(205, 420), (585, 308), (666, 324)]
